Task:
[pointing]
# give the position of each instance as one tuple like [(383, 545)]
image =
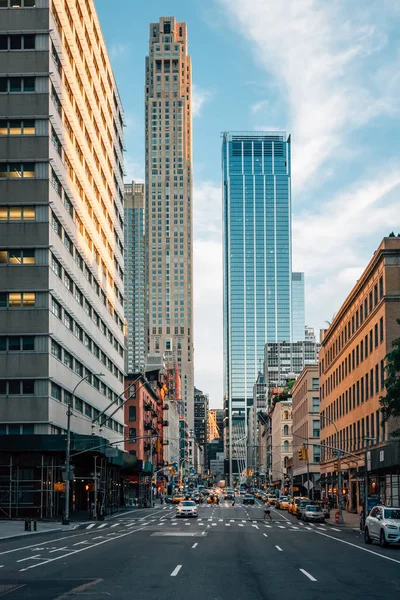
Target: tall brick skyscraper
[(169, 215)]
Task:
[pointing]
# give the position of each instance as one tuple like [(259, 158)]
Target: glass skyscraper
[(298, 318), (257, 268)]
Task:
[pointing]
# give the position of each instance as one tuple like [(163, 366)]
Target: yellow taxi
[(294, 506), (283, 503), (179, 497), (271, 499)]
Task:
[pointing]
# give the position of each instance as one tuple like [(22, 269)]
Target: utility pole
[(367, 440), (65, 520)]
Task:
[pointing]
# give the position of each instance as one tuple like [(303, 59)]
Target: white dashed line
[(308, 575), (265, 535), (279, 548), (91, 525), (195, 545), (176, 570)]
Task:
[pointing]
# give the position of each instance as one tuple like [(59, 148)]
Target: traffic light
[(336, 465), (303, 453)]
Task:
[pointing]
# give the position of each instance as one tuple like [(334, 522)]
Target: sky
[(325, 72)]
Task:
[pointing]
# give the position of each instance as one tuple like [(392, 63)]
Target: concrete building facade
[(282, 439), (298, 308), (61, 222), (200, 422), (135, 277), (306, 430), (285, 360), (169, 204), (352, 380)]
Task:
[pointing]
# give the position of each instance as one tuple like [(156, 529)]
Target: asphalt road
[(228, 553)]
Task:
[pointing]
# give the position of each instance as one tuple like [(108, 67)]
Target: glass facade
[(298, 318), (257, 263)]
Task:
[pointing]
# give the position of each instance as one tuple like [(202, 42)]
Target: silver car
[(187, 508), (314, 514), (383, 525)]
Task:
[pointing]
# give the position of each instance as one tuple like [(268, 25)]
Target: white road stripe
[(279, 548), (91, 525), (102, 525), (256, 526), (265, 535), (240, 524), (176, 571), (59, 549), (36, 557), (114, 525), (359, 547), (214, 524), (281, 527), (334, 529), (227, 524), (195, 545), (308, 575)]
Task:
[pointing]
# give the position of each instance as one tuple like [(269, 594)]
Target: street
[(227, 553)]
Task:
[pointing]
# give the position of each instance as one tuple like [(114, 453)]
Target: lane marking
[(91, 526), (281, 527), (36, 557), (176, 571), (359, 547), (256, 526), (77, 590), (334, 529), (308, 575), (59, 549), (265, 535), (102, 525), (240, 524), (116, 524), (227, 524), (195, 545), (279, 548), (45, 562), (68, 537), (214, 524)]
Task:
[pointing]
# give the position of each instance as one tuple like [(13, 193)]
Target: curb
[(34, 534)]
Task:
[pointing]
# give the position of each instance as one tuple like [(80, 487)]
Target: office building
[(135, 277), (256, 168), (285, 360), (282, 440), (298, 316), (306, 430), (169, 200), (61, 232), (352, 381), (212, 427), (200, 421)]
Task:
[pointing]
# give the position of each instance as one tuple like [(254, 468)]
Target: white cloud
[(118, 49), (259, 107), (134, 169), (200, 97), (207, 211), (320, 57)]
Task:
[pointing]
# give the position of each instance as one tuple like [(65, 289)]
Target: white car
[(383, 525), (187, 508)]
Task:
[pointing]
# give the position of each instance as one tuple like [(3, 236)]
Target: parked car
[(294, 505), (302, 507), (383, 525), (248, 499), (313, 514), (187, 508)]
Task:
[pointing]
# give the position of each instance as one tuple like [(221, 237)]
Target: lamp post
[(65, 520), (339, 453)]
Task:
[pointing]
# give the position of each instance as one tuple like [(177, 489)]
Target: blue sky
[(326, 72)]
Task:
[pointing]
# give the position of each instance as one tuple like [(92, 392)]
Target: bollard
[(26, 525), (34, 525)]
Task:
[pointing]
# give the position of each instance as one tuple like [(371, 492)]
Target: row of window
[(16, 343), (17, 3), (351, 327), (17, 299), (17, 257), (361, 391), (17, 42), (17, 84), (17, 170), (75, 365), (77, 330), (371, 341), (17, 127), (17, 213), (80, 406), (55, 223), (81, 299), (352, 438)]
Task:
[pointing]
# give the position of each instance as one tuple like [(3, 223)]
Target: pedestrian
[(267, 510)]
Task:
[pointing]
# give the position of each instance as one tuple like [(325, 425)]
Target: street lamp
[(339, 454), (68, 449)]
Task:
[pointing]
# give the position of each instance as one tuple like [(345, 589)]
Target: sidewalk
[(16, 529), (351, 520)]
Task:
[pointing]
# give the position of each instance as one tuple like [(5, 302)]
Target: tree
[(391, 401)]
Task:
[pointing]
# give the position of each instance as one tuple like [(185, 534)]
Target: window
[(68, 360), (380, 287), (79, 405), (132, 413), (316, 428), (376, 335), (381, 334), (56, 350), (132, 435), (17, 299), (17, 84), (17, 213), (286, 430), (315, 383), (382, 374), (56, 308), (78, 368), (56, 391), (315, 404), (17, 257)]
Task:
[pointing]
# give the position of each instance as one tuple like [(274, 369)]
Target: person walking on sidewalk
[(267, 510)]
